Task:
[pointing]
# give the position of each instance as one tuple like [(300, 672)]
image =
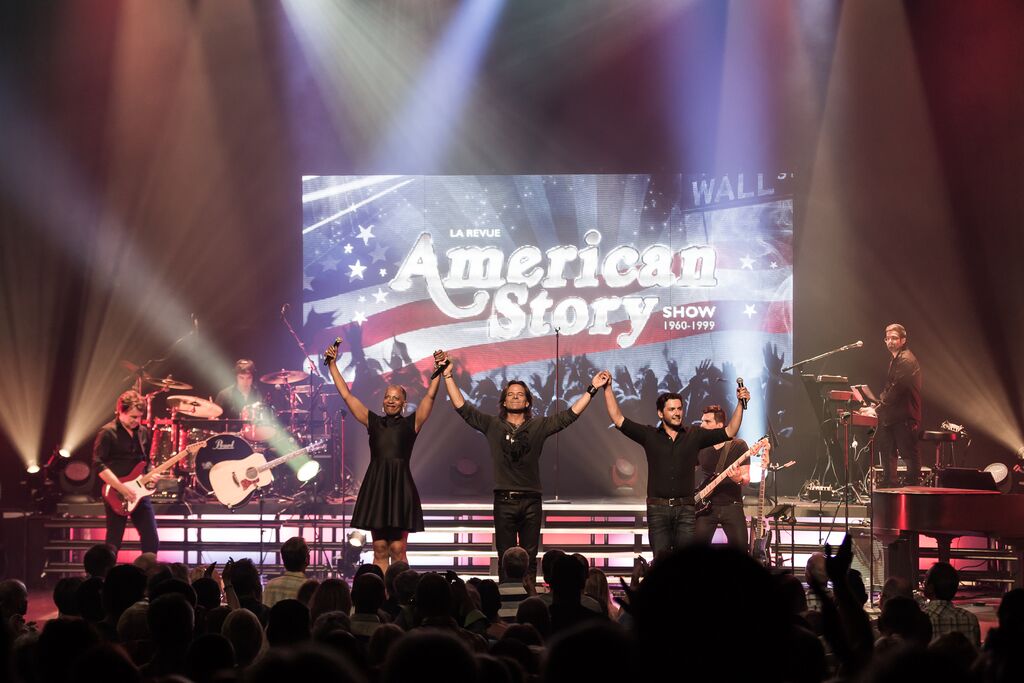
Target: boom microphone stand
[(317, 508)]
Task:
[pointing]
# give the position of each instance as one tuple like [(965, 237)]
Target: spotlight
[(1020, 453), (308, 471), (624, 476), (64, 453), (350, 554), (464, 474), (1001, 474), (76, 481), (33, 468)]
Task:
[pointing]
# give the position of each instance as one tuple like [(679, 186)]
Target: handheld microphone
[(440, 368), (335, 345), (739, 385)]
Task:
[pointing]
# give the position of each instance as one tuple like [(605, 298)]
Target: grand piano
[(944, 514)]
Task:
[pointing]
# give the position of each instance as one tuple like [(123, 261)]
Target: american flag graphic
[(359, 232)]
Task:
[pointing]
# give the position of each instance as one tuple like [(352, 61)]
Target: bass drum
[(218, 449)]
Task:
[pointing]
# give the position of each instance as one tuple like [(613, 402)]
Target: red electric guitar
[(143, 484)]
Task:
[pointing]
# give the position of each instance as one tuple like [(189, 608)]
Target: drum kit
[(191, 419)]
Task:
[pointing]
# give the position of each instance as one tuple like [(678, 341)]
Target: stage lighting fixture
[(624, 476), (1020, 453), (1001, 474), (464, 474), (33, 468), (307, 471), (64, 453), (77, 480), (350, 554)]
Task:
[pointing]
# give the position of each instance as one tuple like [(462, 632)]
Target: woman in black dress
[(388, 505)]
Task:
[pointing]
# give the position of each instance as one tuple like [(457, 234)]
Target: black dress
[(388, 498)]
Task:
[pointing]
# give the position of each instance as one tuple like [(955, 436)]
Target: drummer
[(242, 393)]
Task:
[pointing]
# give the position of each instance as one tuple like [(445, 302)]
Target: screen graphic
[(673, 283)]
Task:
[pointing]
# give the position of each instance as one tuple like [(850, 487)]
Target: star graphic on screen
[(773, 265), (379, 253), (746, 262), (361, 298), (749, 311), (365, 234), (380, 296), (349, 248), (383, 272), (356, 271), (359, 318), (330, 263), (307, 282)]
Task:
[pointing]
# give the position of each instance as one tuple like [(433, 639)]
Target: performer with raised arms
[(388, 504), (515, 439)]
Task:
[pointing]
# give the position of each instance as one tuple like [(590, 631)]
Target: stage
[(610, 532)]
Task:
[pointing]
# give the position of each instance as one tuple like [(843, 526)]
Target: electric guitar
[(760, 531), (143, 484), (702, 498), (235, 481)]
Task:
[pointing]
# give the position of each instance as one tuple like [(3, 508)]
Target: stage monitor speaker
[(966, 478)]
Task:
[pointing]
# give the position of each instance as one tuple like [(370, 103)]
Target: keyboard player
[(899, 411)]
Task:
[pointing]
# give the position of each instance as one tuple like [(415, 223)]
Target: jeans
[(901, 440), (517, 522), (145, 523), (733, 521), (669, 527)]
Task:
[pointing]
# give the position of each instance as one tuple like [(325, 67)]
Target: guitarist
[(121, 445), (726, 500), (671, 451)]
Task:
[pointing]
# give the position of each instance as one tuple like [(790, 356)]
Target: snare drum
[(262, 424)]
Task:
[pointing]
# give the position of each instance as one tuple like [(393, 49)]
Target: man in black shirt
[(899, 410), (121, 445), (516, 439), (727, 499), (242, 393), (671, 451)]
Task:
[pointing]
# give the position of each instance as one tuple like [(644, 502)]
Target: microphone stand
[(822, 355), (558, 395), (317, 508)]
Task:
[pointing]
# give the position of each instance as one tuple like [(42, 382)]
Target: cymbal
[(284, 377), (194, 406), (168, 382), (293, 411)]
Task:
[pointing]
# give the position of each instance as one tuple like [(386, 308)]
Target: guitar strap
[(726, 449)]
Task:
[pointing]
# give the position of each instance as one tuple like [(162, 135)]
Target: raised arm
[(600, 380), (356, 406), (737, 415), (427, 404), (614, 412), (449, 381)]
